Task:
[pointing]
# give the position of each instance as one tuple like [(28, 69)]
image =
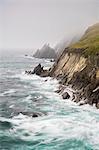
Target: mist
[(28, 24)]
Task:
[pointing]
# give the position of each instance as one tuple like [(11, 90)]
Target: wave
[(5, 125), (8, 92), (63, 128), (79, 124)]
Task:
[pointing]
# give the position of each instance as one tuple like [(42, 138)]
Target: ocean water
[(62, 124)]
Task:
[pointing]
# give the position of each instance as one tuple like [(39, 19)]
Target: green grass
[(90, 41)]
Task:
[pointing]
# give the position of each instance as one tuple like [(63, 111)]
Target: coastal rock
[(58, 91), (38, 70), (82, 102), (65, 95), (95, 98), (28, 72), (97, 105), (52, 60), (31, 114), (5, 125)]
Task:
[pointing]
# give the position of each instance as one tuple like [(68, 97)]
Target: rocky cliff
[(78, 65), (45, 52)]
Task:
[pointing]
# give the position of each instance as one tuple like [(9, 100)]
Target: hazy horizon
[(28, 24)]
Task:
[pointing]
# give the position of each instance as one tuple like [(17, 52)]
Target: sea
[(60, 125)]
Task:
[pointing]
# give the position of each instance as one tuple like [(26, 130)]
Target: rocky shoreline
[(78, 67), (85, 81), (78, 94)]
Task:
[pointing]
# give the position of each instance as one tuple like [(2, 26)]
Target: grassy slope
[(89, 41)]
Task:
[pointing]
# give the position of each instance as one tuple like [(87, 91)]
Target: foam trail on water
[(8, 92)]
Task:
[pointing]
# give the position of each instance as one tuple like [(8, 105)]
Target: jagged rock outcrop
[(38, 70), (45, 52), (78, 65)]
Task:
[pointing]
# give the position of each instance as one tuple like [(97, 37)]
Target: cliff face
[(68, 64), (79, 66)]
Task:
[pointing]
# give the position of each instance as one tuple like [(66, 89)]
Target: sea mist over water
[(14, 52)]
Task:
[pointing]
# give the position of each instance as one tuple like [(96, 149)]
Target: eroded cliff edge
[(79, 66)]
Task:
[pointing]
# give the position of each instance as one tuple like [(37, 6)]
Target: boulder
[(38, 70), (65, 95), (28, 72)]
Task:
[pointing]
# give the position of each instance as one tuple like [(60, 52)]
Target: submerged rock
[(5, 125), (31, 114)]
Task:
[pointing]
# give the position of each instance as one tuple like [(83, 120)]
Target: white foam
[(8, 92), (27, 99), (26, 77), (65, 127), (11, 106), (83, 124), (80, 122)]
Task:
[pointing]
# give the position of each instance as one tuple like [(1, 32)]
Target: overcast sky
[(31, 23)]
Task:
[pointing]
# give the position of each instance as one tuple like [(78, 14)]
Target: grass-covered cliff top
[(89, 41)]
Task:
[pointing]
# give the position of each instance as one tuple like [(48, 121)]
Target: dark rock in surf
[(35, 115), (58, 91), (52, 60), (5, 125), (38, 70), (31, 114), (28, 72), (65, 95)]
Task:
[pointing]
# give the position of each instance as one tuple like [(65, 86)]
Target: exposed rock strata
[(80, 72), (78, 66)]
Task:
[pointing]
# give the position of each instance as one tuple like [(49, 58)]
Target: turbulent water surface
[(61, 125)]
